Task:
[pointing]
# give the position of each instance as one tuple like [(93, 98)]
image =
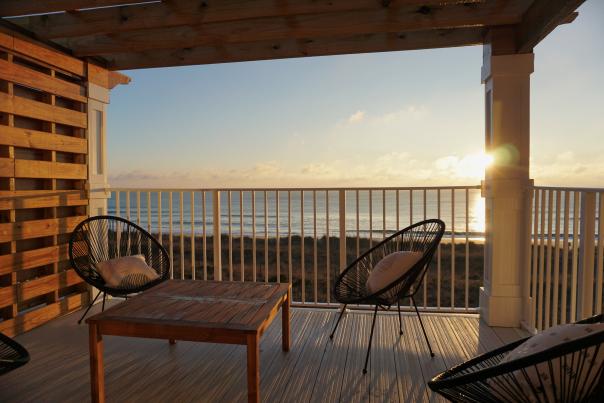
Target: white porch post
[(98, 99), (506, 78)]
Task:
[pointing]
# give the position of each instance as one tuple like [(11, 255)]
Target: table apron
[(153, 331)]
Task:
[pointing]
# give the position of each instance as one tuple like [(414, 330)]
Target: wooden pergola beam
[(350, 23), (186, 12), (25, 7), (542, 18), (289, 48)]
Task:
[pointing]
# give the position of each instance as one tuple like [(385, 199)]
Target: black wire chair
[(350, 287), (484, 379), (102, 238), (12, 354)]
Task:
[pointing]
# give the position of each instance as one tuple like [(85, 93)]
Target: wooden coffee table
[(194, 310)]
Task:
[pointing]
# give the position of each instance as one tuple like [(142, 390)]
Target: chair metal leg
[(423, 329), (104, 297), (370, 339), (89, 306), (400, 320), (337, 322)]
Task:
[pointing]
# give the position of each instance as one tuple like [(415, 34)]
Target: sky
[(413, 118)]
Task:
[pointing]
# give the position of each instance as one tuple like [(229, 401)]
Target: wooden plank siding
[(49, 170), (39, 110), (43, 174), (26, 138), (316, 369)]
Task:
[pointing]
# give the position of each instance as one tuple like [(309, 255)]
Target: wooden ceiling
[(131, 34)]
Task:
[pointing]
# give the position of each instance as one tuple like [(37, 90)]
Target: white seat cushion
[(390, 269), (549, 338), (115, 271)]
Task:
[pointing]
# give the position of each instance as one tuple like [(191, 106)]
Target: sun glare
[(473, 165)]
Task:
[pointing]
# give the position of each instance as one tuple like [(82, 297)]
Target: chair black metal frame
[(12, 354), (105, 237), (484, 379), (350, 287)]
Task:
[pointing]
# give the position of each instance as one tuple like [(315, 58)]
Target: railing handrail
[(291, 189), (568, 188)]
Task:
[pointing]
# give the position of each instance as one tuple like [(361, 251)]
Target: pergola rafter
[(134, 34)]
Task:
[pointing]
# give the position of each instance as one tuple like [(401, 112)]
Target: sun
[(472, 165)]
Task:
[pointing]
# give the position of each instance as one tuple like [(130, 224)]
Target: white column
[(507, 137), (98, 99)]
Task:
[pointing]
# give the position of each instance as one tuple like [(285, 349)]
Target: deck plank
[(316, 368)]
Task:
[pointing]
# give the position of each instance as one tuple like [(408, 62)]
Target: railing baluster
[(170, 237), (565, 257), (600, 262), (149, 211), (265, 237), (253, 236), (587, 255), (192, 235), (410, 206), (342, 228), (383, 213), (327, 270), (528, 301), (438, 257), (302, 246), (229, 201), (548, 261), (159, 219), (204, 234), (541, 272), (452, 248), (277, 237), (426, 276), (535, 252), (398, 210), (314, 223), (370, 218), (467, 279), (138, 207), (358, 224), (289, 238), (182, 236), (217, 236), (556, 262), (117, 203), (575, 262), (128, 206), (242, 238)]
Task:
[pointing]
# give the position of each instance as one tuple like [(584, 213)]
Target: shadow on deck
[(316, 369)]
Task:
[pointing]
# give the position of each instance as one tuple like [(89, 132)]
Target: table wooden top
[(201, 304)]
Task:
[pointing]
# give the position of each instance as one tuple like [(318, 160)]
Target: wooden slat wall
[(43, 174)]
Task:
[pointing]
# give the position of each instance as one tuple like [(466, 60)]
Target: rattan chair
[(484, 379), (350, 287), (101, 238), (12, 354)]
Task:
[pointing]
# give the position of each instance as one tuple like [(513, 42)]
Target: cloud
[(356, 117), (567, 169), (410, 112)]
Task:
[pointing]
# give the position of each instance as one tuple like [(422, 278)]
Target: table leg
[(285, 334), (97, 373), (253, 368)]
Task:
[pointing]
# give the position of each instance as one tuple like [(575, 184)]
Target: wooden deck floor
[(315, 370)]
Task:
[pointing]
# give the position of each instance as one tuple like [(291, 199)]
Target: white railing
[(256, 234), (565, 277)]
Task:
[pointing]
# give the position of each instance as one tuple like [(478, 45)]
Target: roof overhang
[(142, 34)]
